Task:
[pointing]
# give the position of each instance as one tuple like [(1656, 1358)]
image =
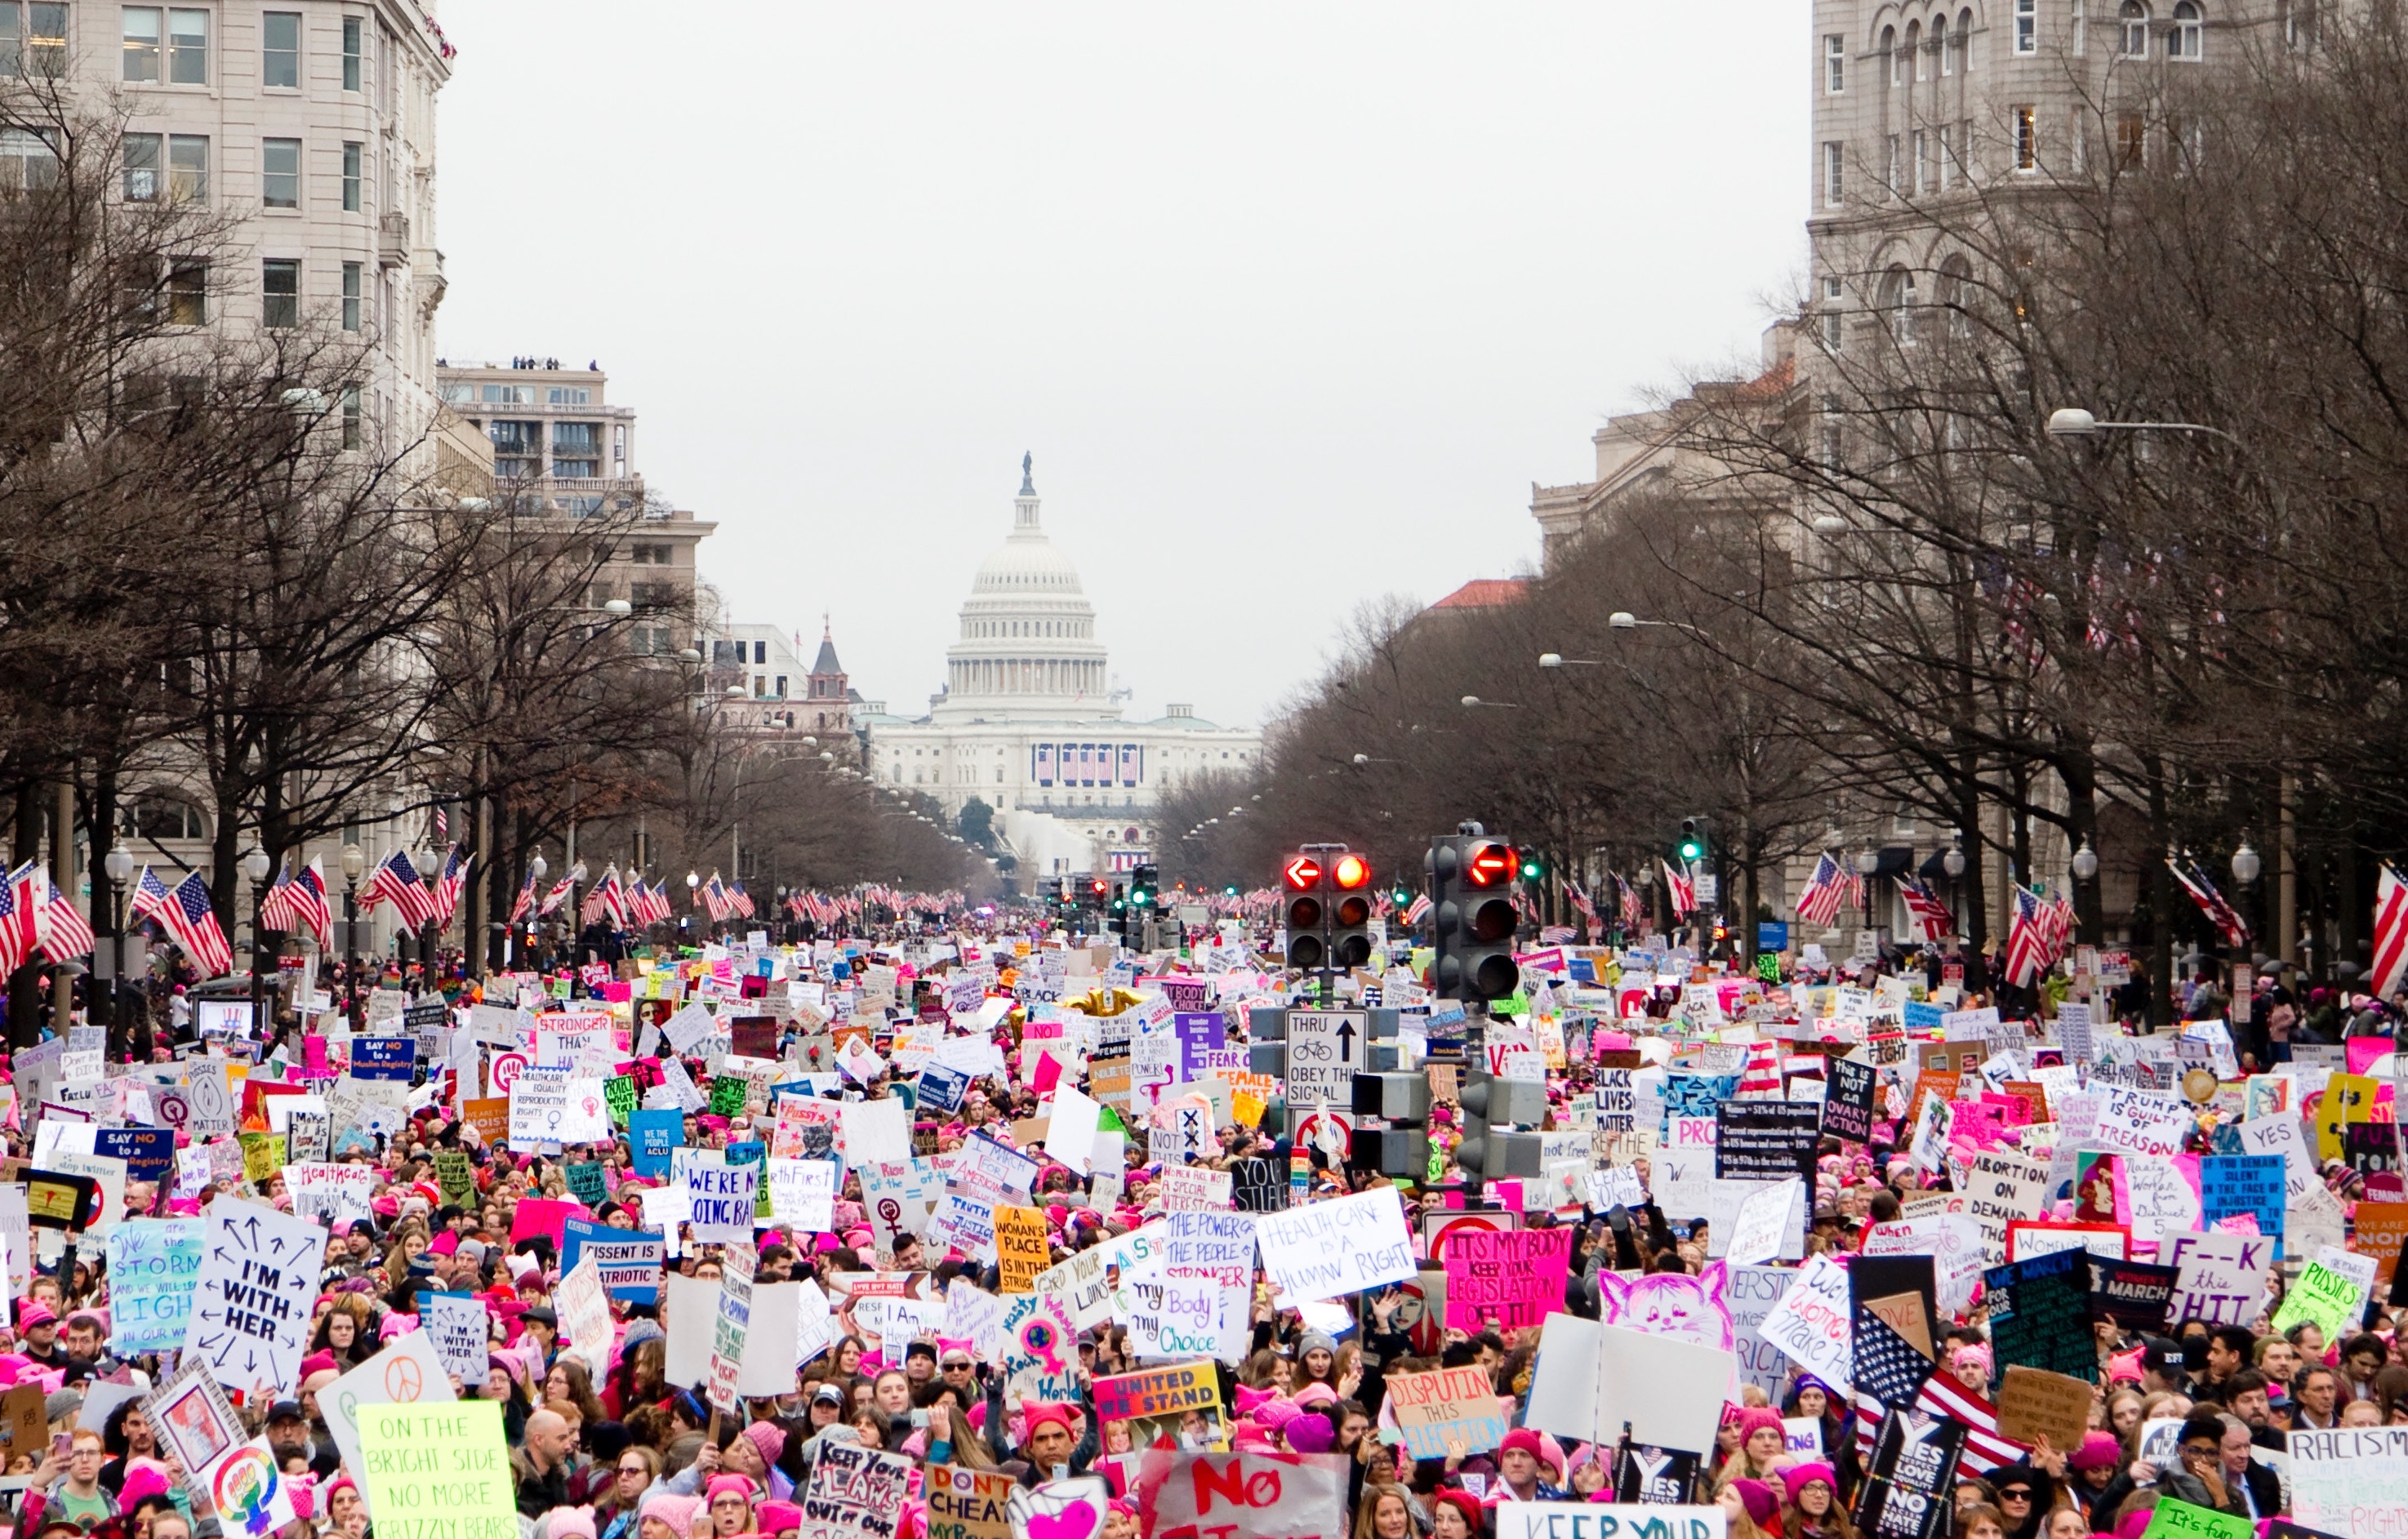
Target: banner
[(1241, 1495)]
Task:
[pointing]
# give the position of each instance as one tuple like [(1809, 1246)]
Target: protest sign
[(189, 1414), (2351, 1480), (461, 1332), (2033, 1404), (2001, 1188), (250, 1307), (1194, 1188), (2325, 1296), (1592, 1377), (1905, 1494), (1765, 1140), (854, 1492), (1810, 1325), (1452, 1412), (248, 1488), (652, 1134), (2133, 1122), (1848, 1097), (2220, 1278), (1159, 1402), (2176, 1519), (967, 1503), (2039, 1314), (724, 1197), (729, 1325), (406, 1373), (439, 1471), (153, 1266), (583, 1309), (2244, 1183), (1020, 1248), (1325, 1249), (2134, 1294), (1762, 1221), (1607, 1521), (1506, 1278), (1072, 1507), (1245, 1495)]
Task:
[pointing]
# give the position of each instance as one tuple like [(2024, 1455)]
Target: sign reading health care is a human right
[(1325, 1249)]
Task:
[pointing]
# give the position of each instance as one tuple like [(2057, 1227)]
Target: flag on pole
[(2026, 939), (1418, 909), (1932, 918), (560, 888), (58, 927), (17, 920), (448, 887), (2390, 933), (299, 901), (396, 882), (524, 904), (1681, 890), (607, 901), (184, 912), (2229, 925), (1818, 902), (738, 901)]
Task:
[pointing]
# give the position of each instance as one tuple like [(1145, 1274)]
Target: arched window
[(1965, 39), (2188, 39), (2132, 30), (1889, 53), (1898, 299), (159, 815), (1956, 294), (1914, 46), (1942, 45)]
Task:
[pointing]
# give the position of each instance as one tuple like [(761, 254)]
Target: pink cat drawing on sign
[(1671, 1303)]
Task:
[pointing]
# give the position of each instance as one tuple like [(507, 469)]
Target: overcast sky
[(1291, 302)]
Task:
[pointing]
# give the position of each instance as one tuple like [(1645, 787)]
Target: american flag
[(1581, 901), (714, 899), (1933, 919), (17, 919), (2390, 933), (396, 882), (58, 929), (2027, 939), (560, 890), (448, 885), (442, 824), (1418, 909), (524, 904), (649, 905), (183, 911), (2226, 919), (607, 900), (1941, 1395), (738, 901), (297, 902), (1681, 890), (1819, 903), (1634, 912)]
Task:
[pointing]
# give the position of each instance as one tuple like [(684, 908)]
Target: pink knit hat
[(678, 1512)]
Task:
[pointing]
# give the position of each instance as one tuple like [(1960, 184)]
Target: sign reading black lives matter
[(1906, 1493)]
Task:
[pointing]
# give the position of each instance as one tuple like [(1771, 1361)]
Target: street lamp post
[(1954, 863), (119, 864), (255, 866), (1867, 862), (356, 861), (536, 868), (428, 862)]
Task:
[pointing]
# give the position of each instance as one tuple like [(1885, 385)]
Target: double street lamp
[(428, 862), (119, 864), (356, 861), (256, 866)]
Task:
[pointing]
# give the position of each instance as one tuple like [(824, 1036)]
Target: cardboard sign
[(2034, 1404), (461, 1332), (25, 1426), (2173, 1519), (1450, 1412), (967, 1503), (2221, 1278), (1849, 1093), (406, 1373), (1591, 1377), (2325, 1296)]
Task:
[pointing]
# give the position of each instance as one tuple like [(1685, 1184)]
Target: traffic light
[(1488, 1103), (1304, 910), (1472, 887), (1350, 912), (1534, 870), (1401, 1100), (1145, 888), (1693, 842)]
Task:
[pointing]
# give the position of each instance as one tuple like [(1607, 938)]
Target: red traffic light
[(1302, 873), (1351, 872), (1490, 864), (1099, 887)]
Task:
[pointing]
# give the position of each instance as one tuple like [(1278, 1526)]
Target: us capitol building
[(1028, 721)]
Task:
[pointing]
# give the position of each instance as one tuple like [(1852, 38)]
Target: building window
[(280, 284), (188, 167), (1835, 64), (188, 292), (351, 157), (2299, 23), (351, 271), (354, 32), (1965, 42), (1835, 321), (279, 173), (1914, 47), (27, 161), (2027, 138), (569, 395), (351, 416), (2132, 30), (33, 38), (1922, 161), (141, 152), (1944, 46), (2188, 39), (188, 47), (141, 43), (279, 49), (2027, 26), (1889, 54), (1889, 166), (518, 447), (2131, 141), (1897, 298), (2081, 23), (576, 450)]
